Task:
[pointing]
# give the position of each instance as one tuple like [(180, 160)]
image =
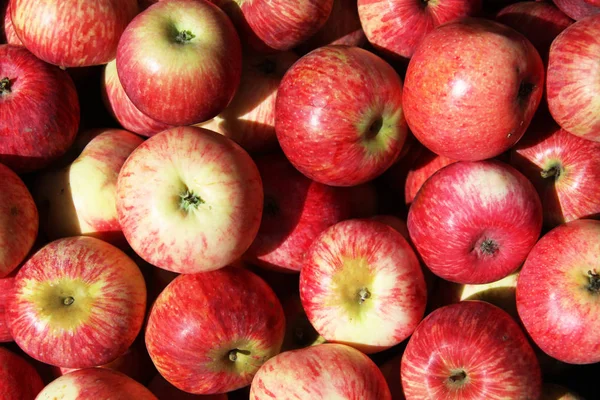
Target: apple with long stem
[(78, 302), (189, 200), (210, 332), (18, 379)]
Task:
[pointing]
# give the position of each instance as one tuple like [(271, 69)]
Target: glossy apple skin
[(95, 383), (577, 9), (427, 164), (72, 33), (200, 318), (490, 217), (6, 286), (39, 117), (202, 73), (354, 255), (249, 119), (478, 339), (572, 79), (164, 390), (325, 371), (122, 109), (564, 168), (471, 89), (109, 296), (153, 182), (80, 199), (562, 305), (296, 210), (339, 117), (397, 27), (19, 221), (538, 21), (18, 379)]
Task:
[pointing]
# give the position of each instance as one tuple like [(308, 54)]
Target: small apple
[(18, 379)]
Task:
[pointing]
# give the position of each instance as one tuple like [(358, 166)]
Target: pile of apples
[(299, 199)]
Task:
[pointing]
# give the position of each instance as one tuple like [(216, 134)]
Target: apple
[(564, 168), (180, 61), (578, 9), (7, 31), (338, 115), (475, 221), (78, 302), (72, 33), (538, 21), (189, 200), (397, 27), (469, 350), (551, 391), (326, 371), (427, 164), (95, 383), (39, 110), (342, 27), (6, 286), (122, 109), (572, 84), (164, 390), (296, 210), (276, 25), (210, 332), (80, 199), (18, 221), (561, 307), (471, 89), (249, 119), (18, 379), (360, 274)]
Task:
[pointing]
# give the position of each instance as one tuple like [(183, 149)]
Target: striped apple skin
[(108, 296), (478, 339), (72, 33), (18, 379)]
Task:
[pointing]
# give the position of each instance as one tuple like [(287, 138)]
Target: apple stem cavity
[(183, 37), (458, 377), (489, 247), (554, 171), (233, 354), (67, 301), (5, 86), (189, 200), (363, 295), (374, 129), (525, 89), (594, 285)]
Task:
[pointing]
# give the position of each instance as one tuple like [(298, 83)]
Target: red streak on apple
[(8, 29), (427, 164), (6, 286), (18, 379), (578, 9)]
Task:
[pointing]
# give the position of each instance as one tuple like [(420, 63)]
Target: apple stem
[(189, 199), (5, 86), (67, 301), (363, 294), (184, 37), (458, 376), (554, 171), (594, 285)]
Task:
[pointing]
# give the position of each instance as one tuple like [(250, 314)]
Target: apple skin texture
[(18, 379)]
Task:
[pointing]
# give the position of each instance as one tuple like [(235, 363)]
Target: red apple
[(180, 61), (7, 31), (472, 88), (296, 210), (95, 383), (326, 371), (339, 116), (209, 333), (18, 379), (250, 117), (281, 25), (39, 110), (573, 86), (6, 286), (557, 292), (189, 200), (78, 302), (470, 350), (72, 33), (397, 27), (564, 168), (164, 390), (80, 199), (361, 274), (424, 167), (538, 21), (18, 220), (551, 391), (122, 109), (578, 9), (475, 222)]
